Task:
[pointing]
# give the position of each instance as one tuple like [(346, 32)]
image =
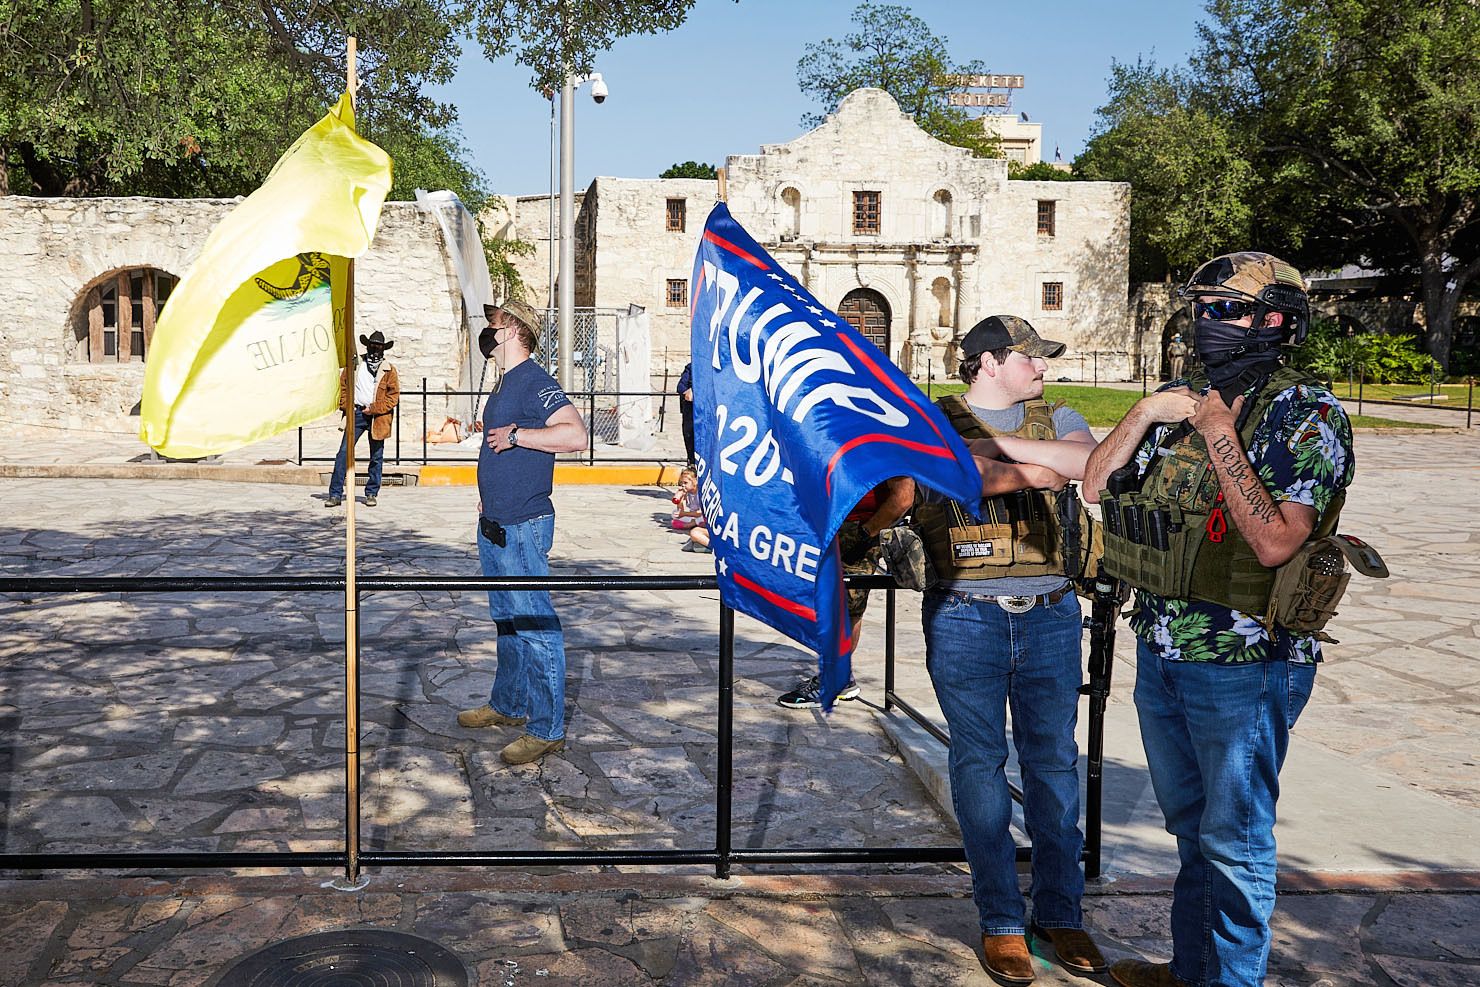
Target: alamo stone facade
[(911, 239)]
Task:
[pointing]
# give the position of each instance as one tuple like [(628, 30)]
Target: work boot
[(1006, 959), (530, 748), (333, 501), (1077, 952), (1139, 973), (487, 716), (369, 500)]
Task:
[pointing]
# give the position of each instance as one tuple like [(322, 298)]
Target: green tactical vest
[(1020, 534), (1205, 558)]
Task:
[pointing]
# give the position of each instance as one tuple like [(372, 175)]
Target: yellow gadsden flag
[(252, 338)]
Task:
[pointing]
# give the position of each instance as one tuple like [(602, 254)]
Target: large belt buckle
[(1017, 604)]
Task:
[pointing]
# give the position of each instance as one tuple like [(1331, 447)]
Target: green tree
[(689, 169), (546, 34), (1190, 176), (199, 97), (1038, 171), (893, 50), (1366, 114)]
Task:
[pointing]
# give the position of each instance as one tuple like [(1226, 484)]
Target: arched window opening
[(940, 225), (792, 215), (115, 322), (940, 288)]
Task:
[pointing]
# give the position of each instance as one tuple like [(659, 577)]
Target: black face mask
[(373, 360), (1227, 350)]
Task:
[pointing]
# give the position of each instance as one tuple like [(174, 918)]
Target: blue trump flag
[(796, 417)]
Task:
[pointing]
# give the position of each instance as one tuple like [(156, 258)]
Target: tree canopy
[(200, 97), (689, 169), (893, 50), (1329, 133)]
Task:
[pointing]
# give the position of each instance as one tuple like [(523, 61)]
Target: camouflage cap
[(997, 332), (1246, 275)]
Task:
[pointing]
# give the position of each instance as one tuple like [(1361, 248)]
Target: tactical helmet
[(1257, 277)]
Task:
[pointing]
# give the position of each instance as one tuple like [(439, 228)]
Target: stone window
[(1053, 296), (678, 293), (677, 214), (116, 322), (1047, 210), (865, 212)]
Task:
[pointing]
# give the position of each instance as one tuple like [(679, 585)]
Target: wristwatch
[(514, 437)]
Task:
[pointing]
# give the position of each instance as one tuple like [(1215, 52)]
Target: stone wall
[(52, 251)]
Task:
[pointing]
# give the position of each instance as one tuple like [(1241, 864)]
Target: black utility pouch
[(493, 531)]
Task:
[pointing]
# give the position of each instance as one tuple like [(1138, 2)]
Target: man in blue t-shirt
[(527, 420)]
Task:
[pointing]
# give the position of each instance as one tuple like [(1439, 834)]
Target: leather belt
[(1017, 604)]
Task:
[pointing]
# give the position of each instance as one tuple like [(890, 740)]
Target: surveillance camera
[(598, 88)]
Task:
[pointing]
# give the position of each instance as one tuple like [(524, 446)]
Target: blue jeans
[(530, 677), (377, 460), (983, 659), (1215, 739)]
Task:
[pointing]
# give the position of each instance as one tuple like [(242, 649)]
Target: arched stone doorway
[(868, 312)]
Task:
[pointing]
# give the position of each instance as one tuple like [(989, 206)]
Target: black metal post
[(725, 769), (1361, 386), (1097, 368), (423, 421), (1470, 401), (888, 649), (300, 445)]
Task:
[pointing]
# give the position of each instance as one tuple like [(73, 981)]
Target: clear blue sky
[(725, 82)]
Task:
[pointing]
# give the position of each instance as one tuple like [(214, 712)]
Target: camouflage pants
[(858, 598)]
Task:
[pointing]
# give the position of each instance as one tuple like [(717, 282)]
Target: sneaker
[(808, 695), (530, 748), (369, 500), (333, 501), (487, 716)]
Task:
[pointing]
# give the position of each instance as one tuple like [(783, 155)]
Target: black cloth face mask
[(1227, 350), (373, 360)]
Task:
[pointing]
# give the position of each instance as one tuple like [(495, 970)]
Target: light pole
[(566, 303)]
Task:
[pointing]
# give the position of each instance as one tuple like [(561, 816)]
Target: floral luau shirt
[(1302, 450)]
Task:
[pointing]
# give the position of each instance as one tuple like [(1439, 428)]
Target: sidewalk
[(168, 722)]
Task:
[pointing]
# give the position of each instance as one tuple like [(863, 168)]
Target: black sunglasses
[(1223, 309)]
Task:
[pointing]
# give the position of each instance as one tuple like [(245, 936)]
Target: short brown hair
[(972, 365)]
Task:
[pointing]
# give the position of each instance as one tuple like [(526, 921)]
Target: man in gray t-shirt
[(1003, 629)]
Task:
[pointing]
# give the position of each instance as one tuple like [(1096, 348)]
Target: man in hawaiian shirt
[(1217, 691)]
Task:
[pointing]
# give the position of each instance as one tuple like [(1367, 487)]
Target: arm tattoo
[(1242, 477)]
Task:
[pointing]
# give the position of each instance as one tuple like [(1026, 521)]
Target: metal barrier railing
[(722, 856), (586, 401)]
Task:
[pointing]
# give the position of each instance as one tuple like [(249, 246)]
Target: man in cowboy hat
[(377, 392)]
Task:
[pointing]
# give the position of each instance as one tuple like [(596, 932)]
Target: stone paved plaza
[(178, 722)]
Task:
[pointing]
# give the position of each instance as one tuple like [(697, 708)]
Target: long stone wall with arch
[(55, 252)]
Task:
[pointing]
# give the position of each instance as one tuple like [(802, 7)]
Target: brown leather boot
[(1077, 952), (1006, 959), (1139, 973)]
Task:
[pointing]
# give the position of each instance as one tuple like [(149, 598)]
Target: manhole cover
[(349, 957)]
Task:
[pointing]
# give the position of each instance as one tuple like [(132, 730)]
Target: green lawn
[(1103, 407)]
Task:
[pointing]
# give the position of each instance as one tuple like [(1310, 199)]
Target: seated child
[(686, 510)]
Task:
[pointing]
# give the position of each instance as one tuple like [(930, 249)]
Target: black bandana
[(373, 361), (1227, 351)]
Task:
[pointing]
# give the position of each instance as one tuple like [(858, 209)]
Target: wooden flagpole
[(352, 879)]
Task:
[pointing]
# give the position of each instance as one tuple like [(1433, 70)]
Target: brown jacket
[(387, 396)]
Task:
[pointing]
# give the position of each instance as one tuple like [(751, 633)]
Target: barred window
[(116, 320), (678, 293), (865, 212), (1046, 215), (1053, 296), (677, 214)]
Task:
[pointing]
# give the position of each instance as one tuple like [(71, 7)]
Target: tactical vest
[(1172, 537), (1020, 534)]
